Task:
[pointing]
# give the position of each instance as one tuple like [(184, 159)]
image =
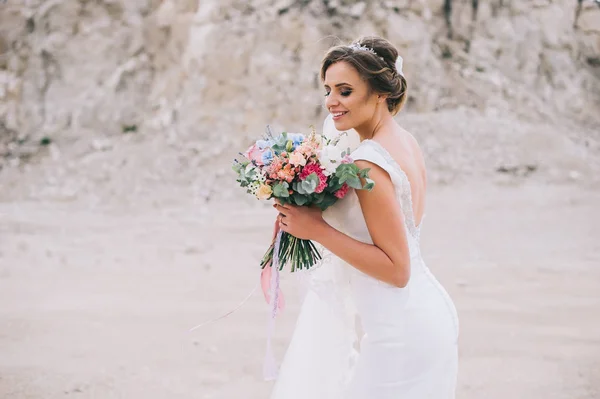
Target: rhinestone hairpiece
[(360, 47)]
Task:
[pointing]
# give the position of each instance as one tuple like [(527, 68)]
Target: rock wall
[(219, 70)]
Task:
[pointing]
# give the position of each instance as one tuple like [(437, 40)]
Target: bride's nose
[(331, 101)]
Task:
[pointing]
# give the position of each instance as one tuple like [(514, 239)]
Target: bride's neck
[(381, 121)]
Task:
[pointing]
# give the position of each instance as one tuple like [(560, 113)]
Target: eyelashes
[(344, 93)]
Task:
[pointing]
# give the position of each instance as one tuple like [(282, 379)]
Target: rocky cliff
[(214, 72)]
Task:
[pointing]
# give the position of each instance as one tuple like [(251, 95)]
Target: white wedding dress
[(360, 338)]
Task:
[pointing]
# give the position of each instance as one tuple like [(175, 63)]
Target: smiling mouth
[(338, 114)]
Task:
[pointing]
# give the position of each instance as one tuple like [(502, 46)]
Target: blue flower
[(267, 157), (262, 144), (297, 139)]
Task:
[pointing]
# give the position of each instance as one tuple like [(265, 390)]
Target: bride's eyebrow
[(340, 85)]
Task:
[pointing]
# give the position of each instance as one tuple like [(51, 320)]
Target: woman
[(375, 323)]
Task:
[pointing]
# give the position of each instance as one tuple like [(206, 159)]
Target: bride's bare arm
[(388, 259)]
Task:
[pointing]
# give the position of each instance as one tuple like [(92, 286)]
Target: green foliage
[(308, 185), (348, 173), (334, 184), (327, 201), (130, 128), (280, 190), (280, 143), (246, 175), (299, 199)]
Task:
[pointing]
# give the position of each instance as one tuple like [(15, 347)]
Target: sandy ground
[(97, 302)]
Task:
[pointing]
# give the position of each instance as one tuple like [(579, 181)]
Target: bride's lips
[(338, 115)]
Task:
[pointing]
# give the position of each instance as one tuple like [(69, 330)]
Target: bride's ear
[(381, 98)]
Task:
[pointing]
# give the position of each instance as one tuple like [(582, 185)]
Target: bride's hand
[(300, 221)]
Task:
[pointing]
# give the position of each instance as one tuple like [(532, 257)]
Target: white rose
[(330, 158)]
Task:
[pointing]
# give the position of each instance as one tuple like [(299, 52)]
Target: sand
[(97, 302)]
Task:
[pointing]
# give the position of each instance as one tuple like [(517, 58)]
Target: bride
[(375, 323)]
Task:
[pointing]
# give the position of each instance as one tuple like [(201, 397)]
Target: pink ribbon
[(269, 282), (266, 280), (273, 295)]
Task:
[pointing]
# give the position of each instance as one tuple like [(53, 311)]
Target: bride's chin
[(341, 126)]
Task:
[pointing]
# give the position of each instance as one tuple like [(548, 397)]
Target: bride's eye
[(346, 93), (327, 93)]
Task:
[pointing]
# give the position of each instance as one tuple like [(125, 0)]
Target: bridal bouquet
[(301, 170)]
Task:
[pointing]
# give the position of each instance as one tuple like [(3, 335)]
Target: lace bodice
[(346, 214), (332, 279)]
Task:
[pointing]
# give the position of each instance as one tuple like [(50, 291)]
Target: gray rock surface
[(203, 78)]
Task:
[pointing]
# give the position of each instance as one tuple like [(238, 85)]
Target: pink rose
[(254, 154)]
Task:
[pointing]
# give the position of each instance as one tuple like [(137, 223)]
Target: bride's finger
[(282, 210), (284, 205)]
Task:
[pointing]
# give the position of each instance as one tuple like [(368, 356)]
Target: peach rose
[(297, 159), (264, 192)]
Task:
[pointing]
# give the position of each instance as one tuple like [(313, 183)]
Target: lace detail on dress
[(325, 279), (405, 189)]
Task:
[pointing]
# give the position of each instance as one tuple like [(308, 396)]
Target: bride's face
[(348, 97)]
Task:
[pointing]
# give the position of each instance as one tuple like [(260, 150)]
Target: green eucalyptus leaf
[(354, 182), (334, 185), (299, 199), (369, 184), (309, 184), (327, 201), (298, 188), (364, 173), (281, 190)]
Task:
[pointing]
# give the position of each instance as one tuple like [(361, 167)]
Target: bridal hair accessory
[(399, 63), (360, 47)]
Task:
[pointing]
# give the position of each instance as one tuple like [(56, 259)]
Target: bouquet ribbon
[(270, 285), (270, 365)]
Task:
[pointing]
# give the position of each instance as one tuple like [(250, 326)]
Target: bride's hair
[(375, 60)]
